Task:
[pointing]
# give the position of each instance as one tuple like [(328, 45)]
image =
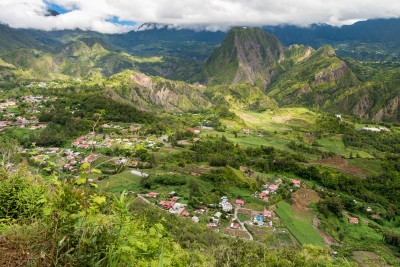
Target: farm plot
[(304, 232)]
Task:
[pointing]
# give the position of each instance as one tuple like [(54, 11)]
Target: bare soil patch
[(236, 232), (281, 119), (245, 212), (302, 199), (342, 164), (11, 254)]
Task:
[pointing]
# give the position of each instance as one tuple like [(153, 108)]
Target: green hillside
[(12, 39), (313, 80)]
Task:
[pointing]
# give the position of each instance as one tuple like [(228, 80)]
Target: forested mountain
[(245, 55), (175, 147), (369, 31), (12, 39), (294, 75)]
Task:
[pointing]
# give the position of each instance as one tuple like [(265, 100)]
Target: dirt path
[(242, 224), (328, 240)]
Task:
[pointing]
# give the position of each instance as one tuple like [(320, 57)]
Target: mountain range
[(243, 68)]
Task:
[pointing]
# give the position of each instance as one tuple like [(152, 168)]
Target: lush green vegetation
[(304, 232)]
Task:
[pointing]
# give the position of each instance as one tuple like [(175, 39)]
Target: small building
[(184, 213), (200, 211), (296, 183), (353, 220), (195, 219), (239, 202), (212, 225), (265, 199), (217, 215), (234, 225), (166, 204), (152, 194), (266, 214), (174, 199)]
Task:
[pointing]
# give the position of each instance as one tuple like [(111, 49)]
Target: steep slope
[(245, 55), (75, 59), (240, 96), (369, 31), (148, 93), (12, 39), (315, 80), (377, 99)]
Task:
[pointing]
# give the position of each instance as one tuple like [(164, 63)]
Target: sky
[(118, 16)]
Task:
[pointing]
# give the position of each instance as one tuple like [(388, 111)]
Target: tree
[(8, 150)]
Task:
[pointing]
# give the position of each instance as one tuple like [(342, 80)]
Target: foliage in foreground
[(66, 224)]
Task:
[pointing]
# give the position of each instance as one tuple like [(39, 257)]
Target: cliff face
[(363, 106), (328, 76), (389, 112), (245, 55), (148, 93), (310, 77)]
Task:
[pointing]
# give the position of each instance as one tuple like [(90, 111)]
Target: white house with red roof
[(353, 220), (296, 183), (152, 194), (239, 202)]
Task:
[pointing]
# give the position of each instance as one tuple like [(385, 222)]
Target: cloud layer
[(110, 16)]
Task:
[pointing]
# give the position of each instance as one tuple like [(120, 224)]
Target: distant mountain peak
[(245, 55), (51, 13)]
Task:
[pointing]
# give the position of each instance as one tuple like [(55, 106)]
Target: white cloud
[(205, 14)]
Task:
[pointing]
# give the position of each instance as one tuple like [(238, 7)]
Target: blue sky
[(57, 8)]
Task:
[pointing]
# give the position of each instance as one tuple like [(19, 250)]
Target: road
[(242, 224), (145, 200)]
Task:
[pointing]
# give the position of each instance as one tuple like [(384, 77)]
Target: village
[(104, 149)]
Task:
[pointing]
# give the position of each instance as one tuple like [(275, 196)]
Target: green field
[(279, 120), (121, 182), (243, 217), (335, 144), (304, 232), (372, 166)]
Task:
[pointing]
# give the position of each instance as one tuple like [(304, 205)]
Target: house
[(166, 204), (200, 211), (353, 220), (273, 187), (212, 225), (179, 209), (195, 219), (296, 183), (217, 215), (266, 214), (262, 194), (174, 199), (265, 199), (152, 194), (234, 225), (226, 206), (239, 202), (184, 213)]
